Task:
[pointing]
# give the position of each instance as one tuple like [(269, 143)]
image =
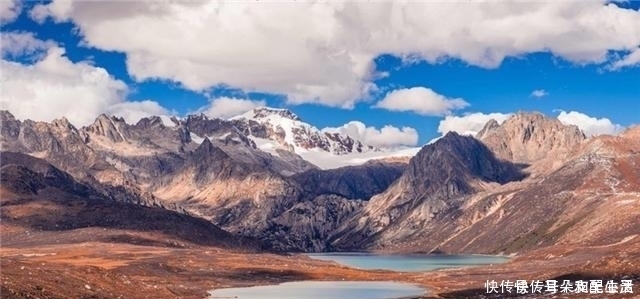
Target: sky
[(387, 73)]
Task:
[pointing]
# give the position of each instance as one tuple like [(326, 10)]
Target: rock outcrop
[(290, 132), (528, 137), (434, 184), (583, 193), (524, 184), (207, 168), (38, 196)]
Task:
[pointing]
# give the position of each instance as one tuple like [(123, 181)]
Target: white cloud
[(469, 124), (23, 44), (539, 93), (9, 10), (591, 126), (420, 100), (387, 136), (132, 112), (322, 52), (225, 107), (55, 87), (632, 59)]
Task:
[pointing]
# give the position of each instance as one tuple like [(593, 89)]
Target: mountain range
[(266, 179)]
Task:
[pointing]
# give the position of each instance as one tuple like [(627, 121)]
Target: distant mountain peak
[(108, 126), (284, 129), (526, 137), (265, 112), (112, 118)]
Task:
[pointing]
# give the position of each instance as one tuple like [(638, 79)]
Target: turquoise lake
[(360, 289), (408, 262), (323, 290)]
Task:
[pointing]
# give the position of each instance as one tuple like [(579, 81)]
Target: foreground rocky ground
[(106, 263)]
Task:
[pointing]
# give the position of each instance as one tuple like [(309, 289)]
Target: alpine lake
[(361, 289)]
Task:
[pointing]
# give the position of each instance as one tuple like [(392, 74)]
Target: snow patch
[(166, 121), (195, 138), (266, 145), (224, 136), (326, 160)]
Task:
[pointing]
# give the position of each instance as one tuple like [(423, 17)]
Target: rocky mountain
[(574, 192), (290, 132), (38, 197), (523, 184), (294, 213), (435, 183), (202, 167), (351, 182), (527, 138)]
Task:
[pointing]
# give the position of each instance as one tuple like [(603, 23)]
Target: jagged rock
[(436, 181), (351, 182), (479, 209), (456, 195), (529, 137), (73, 205), (113, 128), (307, 225), (288, 130)]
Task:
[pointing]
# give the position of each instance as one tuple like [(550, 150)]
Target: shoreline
[(135, 271)]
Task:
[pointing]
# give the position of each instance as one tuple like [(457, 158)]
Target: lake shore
[(121, 270)]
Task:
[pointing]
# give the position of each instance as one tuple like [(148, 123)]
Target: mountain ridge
[(440, 200)]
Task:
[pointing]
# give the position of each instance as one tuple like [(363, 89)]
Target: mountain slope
[(352, 182), (591, 199), (207, 168), (434, 183), (290, 132), (532, 138), (40, 197)]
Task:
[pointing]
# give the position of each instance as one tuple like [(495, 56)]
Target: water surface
[(407, 262), (323, 290)]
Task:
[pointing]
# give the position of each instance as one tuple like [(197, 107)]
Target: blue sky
[(327, 74)]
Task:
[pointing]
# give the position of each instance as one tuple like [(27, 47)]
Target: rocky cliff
[(585, 192), (290, 132), (206, 168), (37, 196), (527, 138), (435, 183), (527, 183)]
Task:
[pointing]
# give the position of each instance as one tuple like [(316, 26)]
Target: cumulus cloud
[(23, 45), (322, 52), (632, 59), (225, 107), (387, 136), (132, 112), (420, 100), (9, 10), (591, 126), (55, 87), (539, 93), (469, 124)]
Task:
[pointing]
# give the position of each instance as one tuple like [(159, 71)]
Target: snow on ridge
[(166, 121), (266, 112), (195, 138), (266, 145), (326, 160), (224, 136)]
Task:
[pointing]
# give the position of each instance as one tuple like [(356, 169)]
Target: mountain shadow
[(38, 196)]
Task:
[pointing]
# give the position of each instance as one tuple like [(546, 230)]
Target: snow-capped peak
[(266, 112), (288, 131)]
